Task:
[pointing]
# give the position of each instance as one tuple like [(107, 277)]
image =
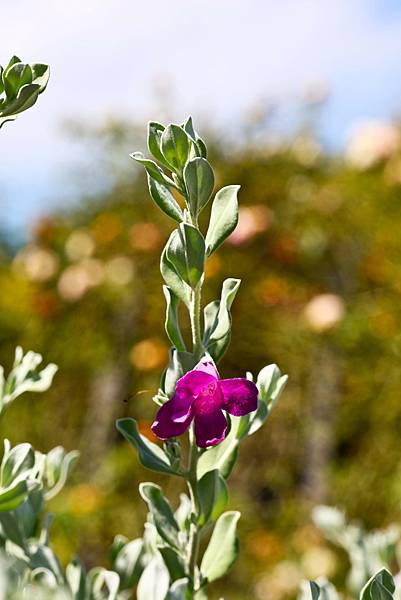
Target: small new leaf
[(175, 146)]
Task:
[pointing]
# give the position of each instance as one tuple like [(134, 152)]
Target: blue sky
[(217, 58)]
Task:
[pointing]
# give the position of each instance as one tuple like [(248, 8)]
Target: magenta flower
[(202, 396)]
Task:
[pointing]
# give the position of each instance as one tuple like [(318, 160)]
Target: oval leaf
[(223, 547), (171, 277), (199, 181), (223, 218), (162, 514), (186, 252), (175, 146), (213, 496), (155, 131), (172, 325), (155, 581), (164, 199)]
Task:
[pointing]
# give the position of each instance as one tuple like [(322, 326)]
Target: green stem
[(194, 532), (195, 322)]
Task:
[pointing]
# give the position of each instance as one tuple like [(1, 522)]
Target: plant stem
[(193, 545), (195, 321), (194, 531)]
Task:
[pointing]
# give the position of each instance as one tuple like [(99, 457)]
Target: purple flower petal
[(240, 396), (192, 383), (209, 399), (210, 429), (207, 366), (166, 423)]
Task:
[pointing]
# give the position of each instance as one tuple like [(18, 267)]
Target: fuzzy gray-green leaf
[(223, 218), (199, 181), (223, 547)]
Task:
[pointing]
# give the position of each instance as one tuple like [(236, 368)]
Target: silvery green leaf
[(179, 364), (172, 325), (175, 146), (41, 555), (199, 181), (270, 384), (155, 580), (309, 591), (161, 512), (155, 131), (256, 420), (150, 539), (44, 577), (11, 529), (26, 97), (223, 547), (178, 591), (379, 587), (319, 589), (224, 455), (17, 463), (40, 75), (76, 579), (15, 77), (103, 584), (13, 60), (199, 145), (223, 218), (213, 496), (58, 466), (174, 562), (188, 126), (13, 496), (183, 512), (129, 563), (164, 199), (151, 456), (186, 253), (217, 317), (201, 594), (202, 147), (25, 376), (27, 514), (172, 278), (152, 169)]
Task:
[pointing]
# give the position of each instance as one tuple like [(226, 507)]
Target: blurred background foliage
[(318, 248)]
